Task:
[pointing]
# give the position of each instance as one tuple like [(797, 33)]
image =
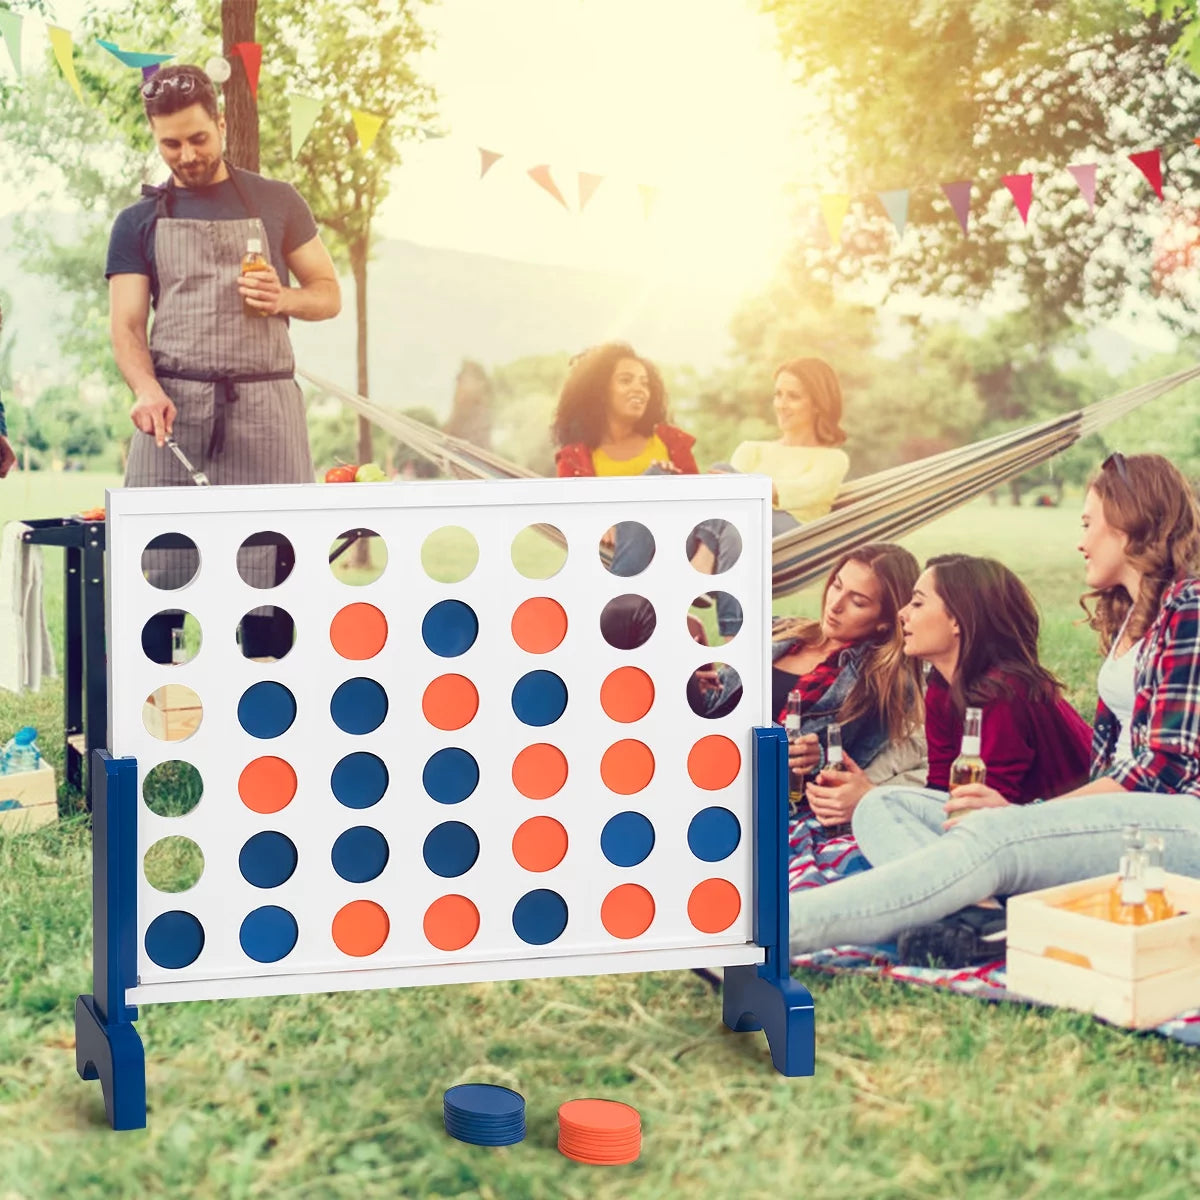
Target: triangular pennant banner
[(367, 125), (649, 194), (1021, 189), (895, 204), (959, 195), (303, 113), (430, 134), (1149, 162), (10, 27), (63, 45), (133, 58), (251, 55), (1085, 176), (541, 176), (588, 183), (487, 160), (834, 208)]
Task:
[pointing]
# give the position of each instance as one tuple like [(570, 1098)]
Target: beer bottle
[(1132, 909), (253, 260), (969, 767), (1158, 903), (791, 725), (835, 759), (1131, 836)]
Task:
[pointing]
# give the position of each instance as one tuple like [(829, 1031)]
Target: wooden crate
[(1061, 952), (28, 799)]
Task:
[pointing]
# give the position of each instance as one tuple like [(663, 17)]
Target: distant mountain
[(429, 309)]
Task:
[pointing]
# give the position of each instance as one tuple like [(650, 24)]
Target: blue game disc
[(483, 1100)]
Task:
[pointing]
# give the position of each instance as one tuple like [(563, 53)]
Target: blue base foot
[(782, 1007), (114, 1055)]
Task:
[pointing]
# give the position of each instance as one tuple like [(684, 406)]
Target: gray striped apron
[(239, 411)]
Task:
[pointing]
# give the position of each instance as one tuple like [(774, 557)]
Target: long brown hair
[(821, 385), (582, 413), (998, 630), (890, 681), (1147, 498)]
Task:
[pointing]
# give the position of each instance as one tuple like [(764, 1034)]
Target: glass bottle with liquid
[(791, 725), (969, 766), (253, 260), (1132, 909), (1158, 903), (835, 756), (1132, 848)]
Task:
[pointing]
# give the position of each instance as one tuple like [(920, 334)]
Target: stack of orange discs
[(602, 1132)]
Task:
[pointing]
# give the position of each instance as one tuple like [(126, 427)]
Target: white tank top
[(1115, 684)]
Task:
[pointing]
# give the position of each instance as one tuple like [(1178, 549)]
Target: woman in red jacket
[(611, 420)]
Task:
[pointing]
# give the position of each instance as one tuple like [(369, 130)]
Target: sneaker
[(964, 939)]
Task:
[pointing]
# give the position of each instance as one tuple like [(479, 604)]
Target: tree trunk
[(238, 19), (358, 247)]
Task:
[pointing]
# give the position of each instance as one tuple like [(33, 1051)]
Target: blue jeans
[(922, 874)]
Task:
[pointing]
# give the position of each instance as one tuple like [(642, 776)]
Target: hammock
[(879, 507)]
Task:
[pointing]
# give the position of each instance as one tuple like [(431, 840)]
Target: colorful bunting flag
[(251, 55), (895, 204), (834, 208), (541, 176), (303, 112), (1085, 176), (1149, 162), (133, 58), (10, 27), (649, 194), (367, 125), (1021, 188), (487, 160), (588, 183), (63, 45), (959, 195)]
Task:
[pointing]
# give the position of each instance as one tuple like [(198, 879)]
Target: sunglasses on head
[(157, 84), (1116, 460)]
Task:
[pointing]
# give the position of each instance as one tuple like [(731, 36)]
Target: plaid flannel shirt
[(1165, 730)]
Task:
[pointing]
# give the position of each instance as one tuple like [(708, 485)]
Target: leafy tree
[(918, 92)]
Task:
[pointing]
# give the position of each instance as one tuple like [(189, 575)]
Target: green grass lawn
[(917, 1093)]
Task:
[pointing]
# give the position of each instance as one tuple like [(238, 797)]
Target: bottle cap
[(25, 736)]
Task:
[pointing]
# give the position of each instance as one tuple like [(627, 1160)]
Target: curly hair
[(173, 88), (1147, 498), (582, 412), (998, 629), (890, 681), (821, 385)]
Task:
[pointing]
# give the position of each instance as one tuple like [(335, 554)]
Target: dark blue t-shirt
[(285, 216)]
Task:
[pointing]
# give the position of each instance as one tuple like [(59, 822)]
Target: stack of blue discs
[(484, 1114)]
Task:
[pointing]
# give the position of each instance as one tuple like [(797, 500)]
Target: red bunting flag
[(588, 183), (1021, 188), (487, 160), (1149, 162), (959, 195), (251, 55), (541, 176)]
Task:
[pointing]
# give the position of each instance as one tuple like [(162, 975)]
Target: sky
[(688, 98)]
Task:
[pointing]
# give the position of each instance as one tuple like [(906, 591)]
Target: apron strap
[(224, 394), (164, 196)]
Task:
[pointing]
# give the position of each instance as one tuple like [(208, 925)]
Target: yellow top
[(806, 478), (654, 451)]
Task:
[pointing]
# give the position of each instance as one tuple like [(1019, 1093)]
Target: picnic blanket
[(816, 860)]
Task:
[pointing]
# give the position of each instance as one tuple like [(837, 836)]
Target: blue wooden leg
[(107, 1046), (782, 1008), (114, 1055)]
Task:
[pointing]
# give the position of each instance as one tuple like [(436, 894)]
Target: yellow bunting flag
[(10, 27), (367, 126), (834, 208), (649, 195), (63, 44), (304, 111)]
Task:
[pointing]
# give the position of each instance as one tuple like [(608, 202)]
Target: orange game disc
[(267, 784), (450, 702), (360, 928), (714, 905), (539, 625), (358, 631), (714, 762), (451, 922), (539, 771), (539, 844), (598, 1116), (627, 694), (627, 766), (627, 911)]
